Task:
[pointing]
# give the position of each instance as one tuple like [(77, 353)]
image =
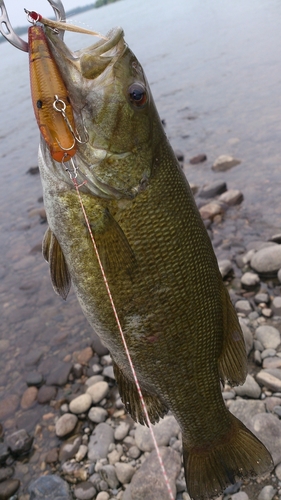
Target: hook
[(7, 31)]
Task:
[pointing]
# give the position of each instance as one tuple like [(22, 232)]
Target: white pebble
[(98, 391), (81, 404)]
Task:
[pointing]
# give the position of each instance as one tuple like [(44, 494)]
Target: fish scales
[(180, 326)]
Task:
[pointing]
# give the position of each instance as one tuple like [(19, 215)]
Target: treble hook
[(7, 31)]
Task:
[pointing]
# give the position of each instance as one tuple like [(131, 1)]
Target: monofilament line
[(125, 343)]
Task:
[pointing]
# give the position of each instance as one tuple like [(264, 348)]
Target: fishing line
[(74, 180)]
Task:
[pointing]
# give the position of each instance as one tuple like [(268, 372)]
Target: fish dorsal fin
[(114, 249), (233, 359), (59, 272)]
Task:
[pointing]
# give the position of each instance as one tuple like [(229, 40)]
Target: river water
[(215, 73)]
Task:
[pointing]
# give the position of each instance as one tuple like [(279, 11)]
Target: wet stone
[(52, 456), (198, 159), (46, 394), (8, 488), (210, 210), (69, 448), (66, 424), (34, 379), (19, 442), (4, 453), (85, 355), (81, 404), (108, 372), (29, 397), (85, 491), (100, 440), (232, 197), (8, 406), (49, 488), (59, 376), (6, 473), (33, 357), (213, 189), (98, 346)]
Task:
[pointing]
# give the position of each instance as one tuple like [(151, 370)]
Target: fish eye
[(137, 95)]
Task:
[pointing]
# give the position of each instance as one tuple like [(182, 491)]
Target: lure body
[(50, 99)]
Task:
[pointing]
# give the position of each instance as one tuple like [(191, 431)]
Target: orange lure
[(50, 99)]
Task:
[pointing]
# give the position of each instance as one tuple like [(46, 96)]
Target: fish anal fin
[(210, 469), (131, 399), (233, 359), (114, 249), (59, 272)]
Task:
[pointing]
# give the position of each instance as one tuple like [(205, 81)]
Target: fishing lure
[(50, 99)]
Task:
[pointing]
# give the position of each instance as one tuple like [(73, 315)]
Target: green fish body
[(180, 326)]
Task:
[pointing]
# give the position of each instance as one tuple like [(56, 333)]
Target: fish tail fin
[(209, 470)]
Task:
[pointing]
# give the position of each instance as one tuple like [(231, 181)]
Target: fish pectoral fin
[(233, 359), (131, 399), (59, 272), (114, 249)]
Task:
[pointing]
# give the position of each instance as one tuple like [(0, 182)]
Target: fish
[(180, 326)]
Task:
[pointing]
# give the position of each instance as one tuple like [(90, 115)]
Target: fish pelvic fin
[(156, 409), (59, 272), (239, 454), (233, 359)]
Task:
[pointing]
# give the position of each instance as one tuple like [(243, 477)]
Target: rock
[(267, 428), (267, 353), (269, 381), (267, 493), (266, 312), (240, 495), (278, 471), (224, 162), (103, 495), (6, 473), (98, 391), (59, 376), (4, 453), (250, 388), (77, 370), (98, 346), (46, 394), (261, 298), (85, 491), (109, 372), (93, 380), (75, 471), (124, 472), (225, 267), (276, 306), (34, 379), (85, 355), (8, 488), (108, 473), (258, 245), (29, 397), (100, 440), (81, 404), (248, 337), (121, 431), (210, 210), (272, 362), (133, 452), (52, 456), (197, 159), (97, 414), (279, 275), (19, 442), (66, 424), (232, 197), (243, 306), (49, 488), (269, 336), (250, 280), (144, 484), (212, 190), (69, 448), (81, 453), (8, 406), (33, 357), (245, 410), (164, 430), (271, 402), (267, 261)]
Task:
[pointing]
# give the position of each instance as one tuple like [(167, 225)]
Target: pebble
[(8, 406), (81, 404), (85, 355), (268, 353), (124, 472), (98, 391), (267, 427), (224, 162), (93, 380), (100, 440), (69, 448), (267, 260), (6, 473), (46, 394), (243, 306), (109, 372), (269, 380), (246, 410), (276, 306), (29, 398), (85, 491), (59, 375), (20, 442), (210, 210), (271, 402), (278, 471), (250, 279), (48, 488), (108, 474), (66, 424), (34, 378), (232, 197), (97, 414), (240, 495), (269, 336), (250, 388), (121, 431), (225, 267), (103, 495), (213, 189), (272, 362), (164, 430), (8, 488)]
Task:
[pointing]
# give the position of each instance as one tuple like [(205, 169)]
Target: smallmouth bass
[(180, 326)]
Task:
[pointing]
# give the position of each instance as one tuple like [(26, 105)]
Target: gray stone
[(66, 424), (257, 357), (20, 442), (267, 493), (278, 471), (81, 453), (249, 280), (163, 431), (269, 336), (250, 388), (97, 345), (85, 491), (272, 362), (225, 267), (144, 485), (268, 353), (46, 394), (232, 197), (6, 473), (279, 275), (115, 455), (267, 260), (33, 357), (81, 404), (276, 305), (269, 380), (103, 495), (243, 306), (213, 189), (98, 391), (259, 245), (240, 495), (271, 402), (101, 438), (8, 406), (34, 379), (124, 472), (49, 488), (97, 414), (121, 431), (4, 453), (69, 448), (248, 337), (93, 380), (108, 473), (8, 488), (108, 372), (133, 452), (245, 410), (261, 298), (59, 376), (267, 428), (224, 162), (210, 210)]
